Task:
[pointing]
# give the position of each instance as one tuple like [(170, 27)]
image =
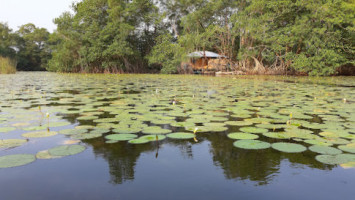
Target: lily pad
[(325, 150), (58, 124), (288, 147), (328, 134), (72, 131), (127, 130), (85, 136), (138, 141), (46, 155), (85, 127), (146, 139), (152, 138), (39, 134), (9, 143), (348, 165), (336, 159), (155, 130), (238, 123), (348, 147), (242, 136), (66, 150), (181, 135), (182, 124), (16, 160), (251, 144), (318, 142), (277, 135), (120, 137), (253, 130), (6, 129), (35, 128)]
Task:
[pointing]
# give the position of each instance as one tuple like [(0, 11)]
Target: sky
[(39, 12)]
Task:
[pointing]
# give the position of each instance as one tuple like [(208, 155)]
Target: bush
[(7, 66)]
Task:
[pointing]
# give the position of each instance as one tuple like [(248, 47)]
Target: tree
[(307, 36), (105, 35), (33, 53), (7, 41)]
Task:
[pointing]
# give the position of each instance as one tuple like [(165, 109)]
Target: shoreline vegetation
[(7, 66), (289, 37)]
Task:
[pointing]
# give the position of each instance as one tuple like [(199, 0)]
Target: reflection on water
[(210, 168)]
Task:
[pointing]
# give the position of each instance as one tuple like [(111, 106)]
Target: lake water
[(293, 137)]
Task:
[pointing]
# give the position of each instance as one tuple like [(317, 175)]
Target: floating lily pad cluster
[(288, 117)]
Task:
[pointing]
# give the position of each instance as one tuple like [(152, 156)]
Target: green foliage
[(105, 35), (166, 53), (7, 41), (27, 46), (314, 37), (288, 36), (33, 53)]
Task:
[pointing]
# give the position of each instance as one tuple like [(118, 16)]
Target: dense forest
[(313, 37)]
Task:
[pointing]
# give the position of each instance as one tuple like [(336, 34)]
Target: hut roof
[(208, 54)]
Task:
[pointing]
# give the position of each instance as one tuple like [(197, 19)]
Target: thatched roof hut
[(199, 60)]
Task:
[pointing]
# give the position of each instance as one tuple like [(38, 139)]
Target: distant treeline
[(313, 37)]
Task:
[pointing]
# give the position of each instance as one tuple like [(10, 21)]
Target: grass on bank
[(7, 66)]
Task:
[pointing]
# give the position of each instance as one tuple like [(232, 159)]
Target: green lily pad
[(348, 147), (120, 137), (152, 138), (146, 139), (238, 123), (109, 120), (277, 135), (182, 124), (271, 126), (288, 147), (325, 150), (46, 155), (85, 127), (336, 159), (329, 134), (9, 143), (6, 129), (334, 140), (251, 144), (138, 141), (72, 131), (181, 135), (39, 134), (348, 165), (217, 128), (153, 130), (242, 136), (85, 136), (318, 142), (58, 124), (253, 130), (127, 130), (66, 150), (161, 121), (35, 128), (16, 160), (213, 124)]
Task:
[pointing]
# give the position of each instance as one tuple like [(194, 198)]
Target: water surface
[(206, 167)]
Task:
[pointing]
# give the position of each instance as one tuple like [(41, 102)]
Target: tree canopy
[(285, 36)]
